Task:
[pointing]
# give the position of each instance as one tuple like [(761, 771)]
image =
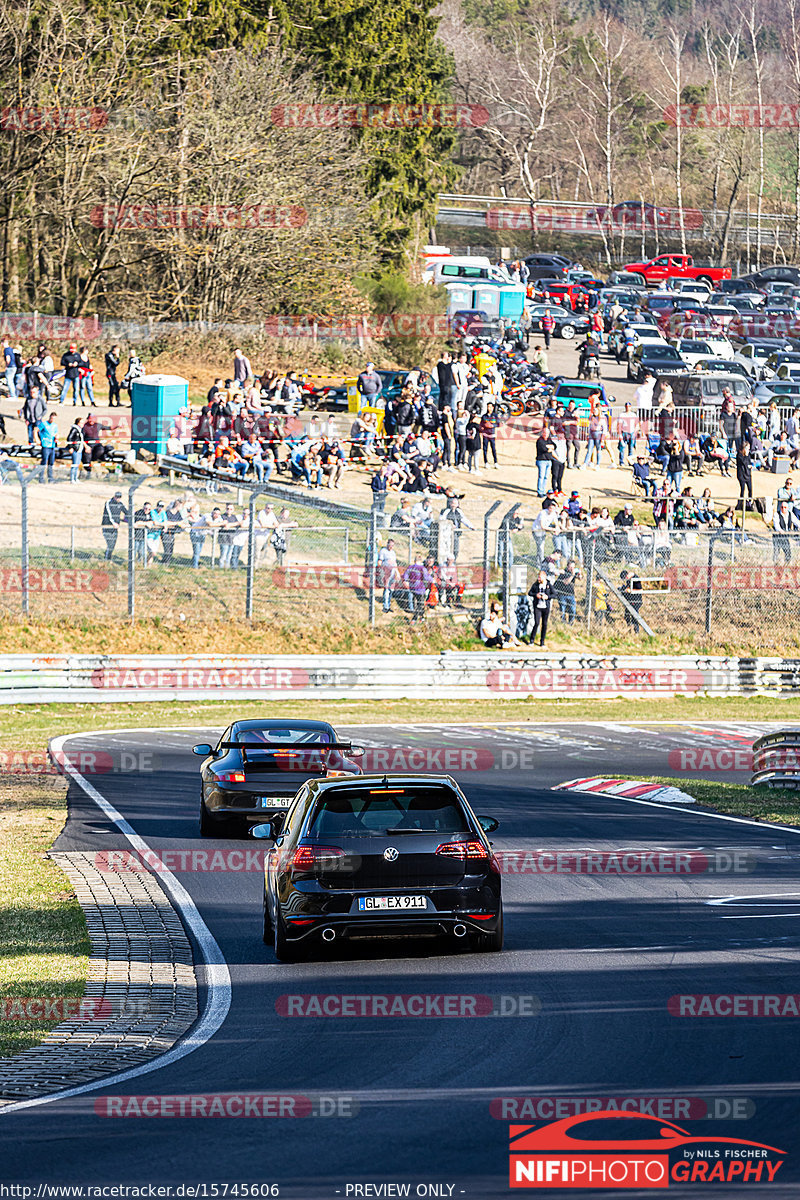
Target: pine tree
[(384, 52)]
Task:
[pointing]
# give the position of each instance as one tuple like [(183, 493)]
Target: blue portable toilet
[(459, 296), (487, 297), (156, 401), (512, 300)]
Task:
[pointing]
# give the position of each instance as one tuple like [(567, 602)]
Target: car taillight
[(232, 777), (306, 858), (471, 851), (332, 774)]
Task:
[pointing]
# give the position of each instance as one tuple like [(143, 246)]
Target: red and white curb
[(626, 789)]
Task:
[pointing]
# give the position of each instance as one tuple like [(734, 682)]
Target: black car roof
[(281, 723)]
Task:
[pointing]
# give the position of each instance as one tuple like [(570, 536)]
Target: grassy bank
[(740, 799), (287, 632), (43, 939)]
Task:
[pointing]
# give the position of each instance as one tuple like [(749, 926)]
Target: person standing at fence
[(74, 441), (541, 594), (71, 362), (595, 442), (112, 362), (543, 461), (279, 539), (784, 523), (473, 440), (48, 436), (32, 412), (564, 591), (461, 423), (10, 367), (387, 575), (627, 429), (176, 520), (242, 371), (631, 590), (744, 474), (417, 579), (488, 430), (452, 513), (230, 525), (114, 513), (141, 527), (86, 377), (448, 388), (557, 444), (728, 422), (675, 463), (448, 438)]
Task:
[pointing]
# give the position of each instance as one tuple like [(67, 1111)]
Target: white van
[(462, 268)]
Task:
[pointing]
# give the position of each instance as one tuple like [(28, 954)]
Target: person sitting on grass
[(495, 633)]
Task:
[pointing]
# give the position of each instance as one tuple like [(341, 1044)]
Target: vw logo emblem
[(391, 854)]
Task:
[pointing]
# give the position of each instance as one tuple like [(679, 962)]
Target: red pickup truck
[(656, 270)]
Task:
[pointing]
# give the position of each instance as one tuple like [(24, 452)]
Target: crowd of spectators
[(226, 529)]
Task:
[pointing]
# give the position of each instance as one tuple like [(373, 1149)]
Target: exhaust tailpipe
[(460, 930), (329, 934)]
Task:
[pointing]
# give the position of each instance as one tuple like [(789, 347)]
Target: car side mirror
[(488, 824), (357, 751), (203, 750), (260, 831), (277, 823)]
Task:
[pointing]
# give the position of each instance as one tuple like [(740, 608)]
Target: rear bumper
[(352, 927)]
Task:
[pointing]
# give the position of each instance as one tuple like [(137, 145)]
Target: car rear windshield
[(393, 807), (270, 738)]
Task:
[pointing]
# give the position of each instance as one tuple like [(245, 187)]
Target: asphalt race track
[(596, 957)]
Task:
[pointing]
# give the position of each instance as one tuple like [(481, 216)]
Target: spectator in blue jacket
[(48, 436)]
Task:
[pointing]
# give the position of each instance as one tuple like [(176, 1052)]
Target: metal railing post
[(506, 527), (132, 548), (24, 550), (372, 562), (251, 554), (590, 583), (485, 581), (709, 580)]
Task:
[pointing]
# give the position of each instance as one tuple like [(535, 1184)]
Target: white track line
[(217, 975)]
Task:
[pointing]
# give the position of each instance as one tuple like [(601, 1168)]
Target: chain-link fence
[(137, 547)]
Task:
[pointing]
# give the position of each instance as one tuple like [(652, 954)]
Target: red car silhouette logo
[(615, 1149), (666, 1136)]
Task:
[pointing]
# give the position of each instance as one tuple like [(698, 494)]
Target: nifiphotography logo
[(613, 1149)]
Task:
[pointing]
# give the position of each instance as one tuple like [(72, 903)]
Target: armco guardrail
[(776, 759), (450, 675)]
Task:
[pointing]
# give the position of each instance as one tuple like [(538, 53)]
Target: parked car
[(777, 273), (697, 389), (725, 366), (691, 351), (654, 358), (754, 355), (568, 324), (782, 391), (779, 358), (656, 270)]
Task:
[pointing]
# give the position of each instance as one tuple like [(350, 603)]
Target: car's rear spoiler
[(296, 750)]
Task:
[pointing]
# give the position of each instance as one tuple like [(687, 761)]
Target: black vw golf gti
[(257, 766), (380, 857)]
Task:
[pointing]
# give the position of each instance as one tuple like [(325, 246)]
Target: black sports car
[(380, 857), (257, 766)]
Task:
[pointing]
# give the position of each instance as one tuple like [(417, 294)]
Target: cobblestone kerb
[(141, 966)]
